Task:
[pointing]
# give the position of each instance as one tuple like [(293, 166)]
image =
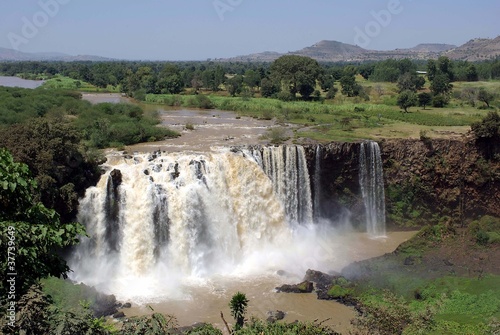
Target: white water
[(371, 180), (286, 166), (178, 218), (317, 182), (183, 220)]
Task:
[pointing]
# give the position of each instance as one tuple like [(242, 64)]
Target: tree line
[(238, 78)]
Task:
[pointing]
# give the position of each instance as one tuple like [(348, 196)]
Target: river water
[(203, 300), (19, 82)]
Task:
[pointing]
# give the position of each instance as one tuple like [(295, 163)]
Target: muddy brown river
[(203, 300)]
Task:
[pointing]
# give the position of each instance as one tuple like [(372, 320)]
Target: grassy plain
[(349, 119)]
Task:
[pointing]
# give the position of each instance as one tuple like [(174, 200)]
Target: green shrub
[(482, 237)]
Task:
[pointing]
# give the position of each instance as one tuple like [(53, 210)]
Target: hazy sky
[(201, 29)]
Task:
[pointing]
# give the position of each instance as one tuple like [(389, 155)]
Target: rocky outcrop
[(273, 316), (304, 287)]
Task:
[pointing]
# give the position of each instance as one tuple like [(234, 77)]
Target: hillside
[(14, 55), (334, 51), (478, 49)]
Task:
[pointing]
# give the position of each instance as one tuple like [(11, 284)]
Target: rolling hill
[(334, 51), (13, 55)]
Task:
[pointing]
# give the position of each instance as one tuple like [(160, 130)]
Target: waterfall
[(317, 182), (286, 166), (371, 180), (186, 215)]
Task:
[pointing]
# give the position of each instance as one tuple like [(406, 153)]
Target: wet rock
[(274, 316), (104, 305), (127, 305), (304, 287), (118, 315), (281, 273), (116, 177)]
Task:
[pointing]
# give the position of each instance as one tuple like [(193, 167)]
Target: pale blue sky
[(195, 30)]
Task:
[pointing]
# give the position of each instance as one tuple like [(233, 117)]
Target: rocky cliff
[(426, 181)]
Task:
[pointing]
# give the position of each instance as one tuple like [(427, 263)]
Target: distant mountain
[(433, 47), (13, 55), (476, 50), (334, 51)]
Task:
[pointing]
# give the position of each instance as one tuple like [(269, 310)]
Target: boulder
[(304, 287), (274, 316)]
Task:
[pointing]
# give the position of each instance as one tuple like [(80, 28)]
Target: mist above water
[(161, 222)]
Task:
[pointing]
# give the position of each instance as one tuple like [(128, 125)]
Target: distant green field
[(349, 119), (61, 82)]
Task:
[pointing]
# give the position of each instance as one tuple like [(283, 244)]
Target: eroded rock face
[(451, 178), (425, 181)]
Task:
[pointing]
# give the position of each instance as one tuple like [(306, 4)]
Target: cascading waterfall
[(286, 166), (154, 217), (317, 181), (371, 180)]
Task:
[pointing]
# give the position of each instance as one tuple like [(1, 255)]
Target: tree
[(51, 149), (366, 70), (488, 128), (424, 99), (349, 86), (431, 69), (407, 99), (234, 85), (471, 73), (485, 96), (410, 82), (296, 73), (487, 133), (331, 93), (445, 66), (33, 231), (268, 88), (327, 81), (251, 79), (439, 101), (238, 306), (441, 85)]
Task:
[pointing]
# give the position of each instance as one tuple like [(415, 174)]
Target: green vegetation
[(65, 83), (32, 232), (398, 293), (238, 306), (57, 136), (366, 109)]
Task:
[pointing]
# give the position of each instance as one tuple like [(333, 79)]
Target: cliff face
[(439, 178), (336, 186), (425, 181)]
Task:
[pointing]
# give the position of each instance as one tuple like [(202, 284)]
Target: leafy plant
[(238, 306), (32, 231), (154, 324)]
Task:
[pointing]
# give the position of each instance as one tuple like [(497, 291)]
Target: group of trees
[(56, 133), (285, 78)]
